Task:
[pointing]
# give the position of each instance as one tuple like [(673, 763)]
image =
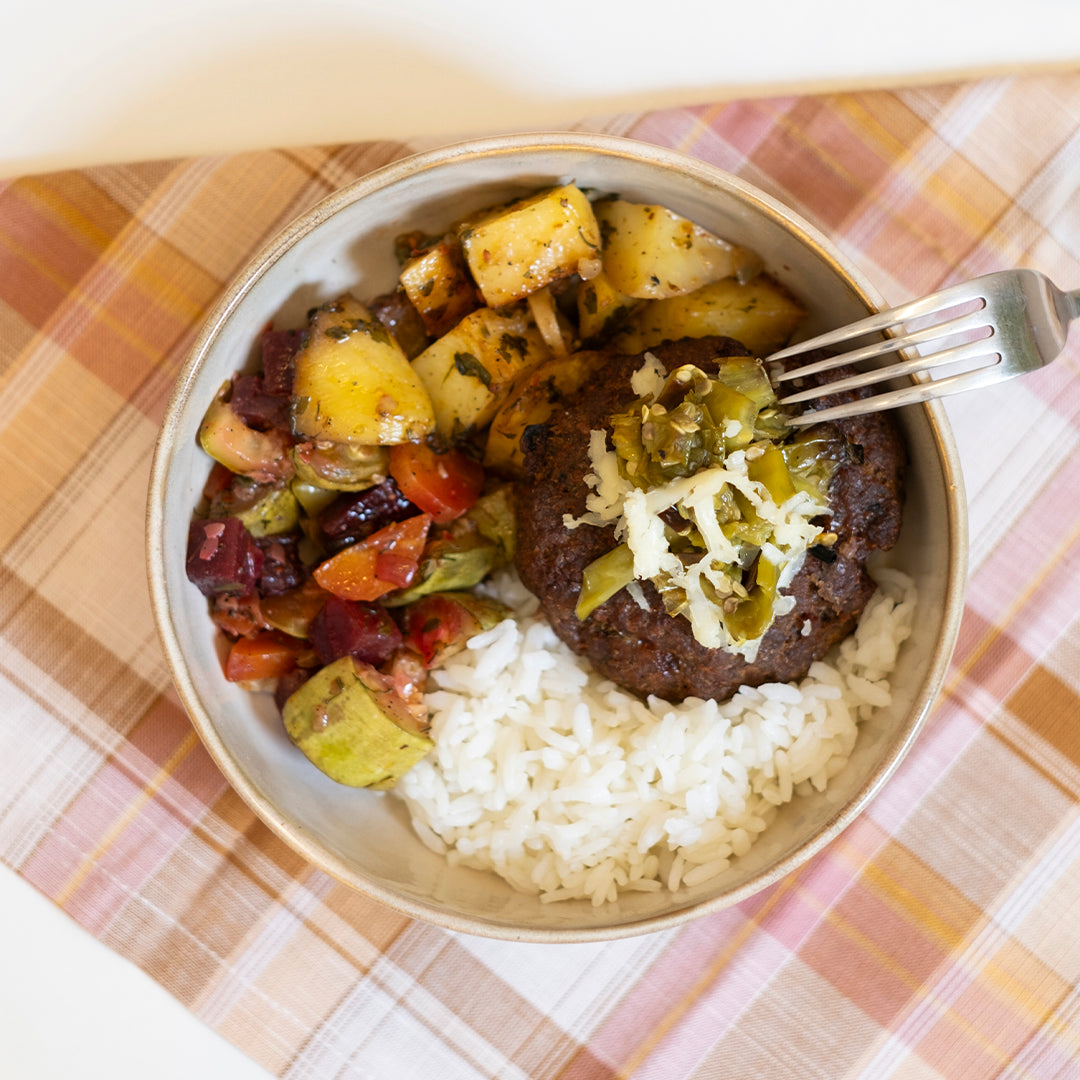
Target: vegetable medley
[(362, 485)]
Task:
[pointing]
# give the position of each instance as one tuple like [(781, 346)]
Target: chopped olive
[(355, 516), (812, 456), (748, 376), (694, 421), (282, 570), (750, 617), (603, 578), (770, 468), (397, 313)]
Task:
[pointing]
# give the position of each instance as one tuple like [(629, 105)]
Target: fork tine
[(971, 350), (915, 309), (973, 320), (909, 395)]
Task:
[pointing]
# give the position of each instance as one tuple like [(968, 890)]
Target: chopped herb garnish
[(509, 344), (467, 365), (586, 240)]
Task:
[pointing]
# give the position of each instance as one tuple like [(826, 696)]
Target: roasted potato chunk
[(438, 284), (354, 384), (761, 314), (652, 253), (601, 307), (517, 249), (531, 400), (469, 371)]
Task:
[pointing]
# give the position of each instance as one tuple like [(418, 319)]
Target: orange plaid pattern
[(939, 936)]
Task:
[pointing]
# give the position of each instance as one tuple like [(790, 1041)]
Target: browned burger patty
[(649, 651)]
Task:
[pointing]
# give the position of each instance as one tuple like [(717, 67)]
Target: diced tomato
[(443, 485), (436, 625), (265, 656), (357, 572), (395, 567)]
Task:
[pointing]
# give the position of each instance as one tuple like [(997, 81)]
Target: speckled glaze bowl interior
[(346, 243)]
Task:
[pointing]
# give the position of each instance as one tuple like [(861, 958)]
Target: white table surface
[(121, 80)]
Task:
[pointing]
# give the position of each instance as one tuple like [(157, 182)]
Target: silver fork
[(1026, 315)]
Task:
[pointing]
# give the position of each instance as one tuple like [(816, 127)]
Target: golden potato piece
[(600, 307), (761, 314), (517, 249), (438, 284), (469, 371), (531, 401), (353, 383), (651, 252)]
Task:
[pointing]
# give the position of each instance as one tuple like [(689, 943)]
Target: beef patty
[(649, 651)]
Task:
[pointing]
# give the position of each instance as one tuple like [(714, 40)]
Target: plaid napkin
[(939, 936)]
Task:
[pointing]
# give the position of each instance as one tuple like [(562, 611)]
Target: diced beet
[(282, 570), (352, 628), (222, 557), (355, 515), (288, 684), (279, 349), (257, 408)]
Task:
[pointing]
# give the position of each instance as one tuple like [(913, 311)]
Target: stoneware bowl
[(346, 243)]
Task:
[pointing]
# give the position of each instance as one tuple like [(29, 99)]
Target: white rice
[(569, 787)]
